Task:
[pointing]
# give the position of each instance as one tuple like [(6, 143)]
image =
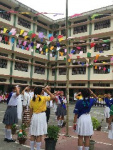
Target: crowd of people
[(33, 107)]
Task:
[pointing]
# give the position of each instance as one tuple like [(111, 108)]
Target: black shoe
[(5, 139), (11, 140)]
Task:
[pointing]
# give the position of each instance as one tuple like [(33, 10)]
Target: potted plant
[(22, 134), (52, 137), (13, 129), (96, 126)]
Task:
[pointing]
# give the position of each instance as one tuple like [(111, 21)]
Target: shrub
[(95, 123), (53, 132)]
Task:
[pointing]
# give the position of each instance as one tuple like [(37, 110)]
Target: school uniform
[(38, 121), (84, 122), (10, 116), (108, 103), (110, 133), (61, 108)]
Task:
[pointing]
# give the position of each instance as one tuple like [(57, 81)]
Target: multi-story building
[(27, 67)]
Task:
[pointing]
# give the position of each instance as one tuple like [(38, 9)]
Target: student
[(110, 125), (107, 107), (10, 116), (61, 109), (38, 126), (82, 118)]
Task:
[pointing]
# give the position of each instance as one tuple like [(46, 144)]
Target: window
[(5, 39), (40, 29), (55, 33), (5, 15), (21, 66), (78, 84), (78, 70), (62, 71), (2, 54), (61, 84), (2, 80), (39, 70), (80, 29), (62, 52), (102, 47), (3, 63), (102, 24), (53, 72), (63, 32), (101, 84), (24, 23), (38, 83), (20, 81), (102, 69), (53, 53)]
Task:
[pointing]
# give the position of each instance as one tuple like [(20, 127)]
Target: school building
[(22, 66)]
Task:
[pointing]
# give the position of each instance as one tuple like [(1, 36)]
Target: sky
[(58, 6)]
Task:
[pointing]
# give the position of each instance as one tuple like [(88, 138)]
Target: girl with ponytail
[(82, 119), (38, 126)]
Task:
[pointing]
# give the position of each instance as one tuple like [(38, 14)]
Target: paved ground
[(64, 143)]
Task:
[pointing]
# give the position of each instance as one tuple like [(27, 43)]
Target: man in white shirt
[(26, 100), (10, 116)]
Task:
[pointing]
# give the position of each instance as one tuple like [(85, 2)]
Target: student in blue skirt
[(82, 119)]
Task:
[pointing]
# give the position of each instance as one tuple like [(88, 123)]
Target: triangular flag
[(5, 30), (21, 32)]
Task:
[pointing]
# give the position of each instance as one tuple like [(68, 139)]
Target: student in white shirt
[(10, 116)]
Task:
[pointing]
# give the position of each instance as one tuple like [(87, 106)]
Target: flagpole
[(67, 72)]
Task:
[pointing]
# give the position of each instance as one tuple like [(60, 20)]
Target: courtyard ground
[(64, 143)]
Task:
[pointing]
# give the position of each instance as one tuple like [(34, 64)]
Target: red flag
[(92, 45), (60, 36)]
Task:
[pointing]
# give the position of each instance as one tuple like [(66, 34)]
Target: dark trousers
[(47, 114)]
